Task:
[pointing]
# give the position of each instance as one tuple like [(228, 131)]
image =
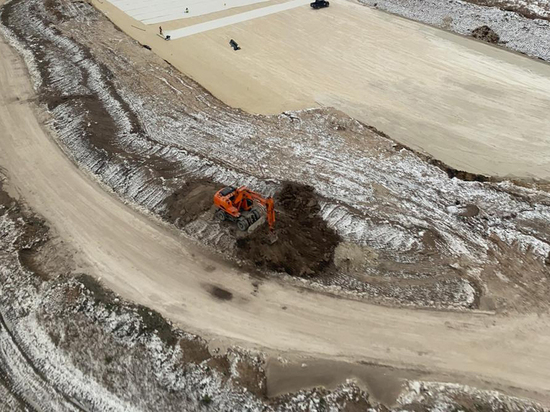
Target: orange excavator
[(238, 205)]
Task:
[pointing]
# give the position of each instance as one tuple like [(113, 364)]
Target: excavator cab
[(237, 205), (226, 190)]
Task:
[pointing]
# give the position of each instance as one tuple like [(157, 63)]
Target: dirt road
[(148, 263), (474, 106)]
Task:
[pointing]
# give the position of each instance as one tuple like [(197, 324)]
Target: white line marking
[(238, 18), (159, 11)]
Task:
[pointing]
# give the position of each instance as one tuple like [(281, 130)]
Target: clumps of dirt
[(485, 33), (30, 261), (305, 244), (221, 364), (189, 201), (347, 397), (51, 6), (252, 377), (47, 258)]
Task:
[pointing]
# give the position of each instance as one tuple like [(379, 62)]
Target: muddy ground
[(69, 344), (188, 202), (422, 234), (305, 244)]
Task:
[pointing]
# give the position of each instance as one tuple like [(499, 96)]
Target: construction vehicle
[(234, 44), (238, 205), (319, 4)]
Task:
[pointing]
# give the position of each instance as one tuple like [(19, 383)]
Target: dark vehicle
[(319, 4), (234, 44)]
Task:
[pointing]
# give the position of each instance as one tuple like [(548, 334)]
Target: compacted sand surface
[(474, 106)]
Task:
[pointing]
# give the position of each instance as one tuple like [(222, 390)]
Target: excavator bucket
[(272, 237)]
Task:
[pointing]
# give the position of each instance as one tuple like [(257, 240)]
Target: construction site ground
[(112, 132), (472, 105)]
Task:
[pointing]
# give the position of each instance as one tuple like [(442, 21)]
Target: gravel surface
[(517, 32)]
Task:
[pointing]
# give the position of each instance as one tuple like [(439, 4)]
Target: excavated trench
[(305, 244)]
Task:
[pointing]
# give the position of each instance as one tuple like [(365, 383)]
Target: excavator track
[(244, 221)]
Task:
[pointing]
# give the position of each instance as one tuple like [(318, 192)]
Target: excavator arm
[(270, 211), (268, 203)]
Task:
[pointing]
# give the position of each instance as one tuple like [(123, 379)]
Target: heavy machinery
[(238, 205), (319, 4)]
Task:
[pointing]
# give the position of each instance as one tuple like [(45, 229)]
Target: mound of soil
[(189, 202), (305, 245), (487, 34)]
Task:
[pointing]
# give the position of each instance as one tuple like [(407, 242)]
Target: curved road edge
[(145, 262)]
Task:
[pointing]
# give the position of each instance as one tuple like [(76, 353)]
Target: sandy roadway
[(476, 107), (234, 19), (146, 262)]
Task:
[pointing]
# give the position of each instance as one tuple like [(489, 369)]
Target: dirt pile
[(305, 245), (189, 202), (485, 33), (532, 9)]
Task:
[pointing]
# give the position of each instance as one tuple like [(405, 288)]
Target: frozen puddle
[(157, 11)]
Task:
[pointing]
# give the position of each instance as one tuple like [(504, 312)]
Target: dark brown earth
[(305, 244), (485, 33), (510, 5), (189, 201)]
